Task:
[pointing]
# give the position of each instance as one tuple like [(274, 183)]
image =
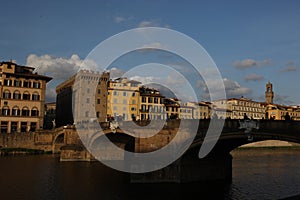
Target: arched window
[(6, 94), (26, 96), (17, 94), (5, 111), (25, 111), (34, 112), (35, 96), (15, 111)]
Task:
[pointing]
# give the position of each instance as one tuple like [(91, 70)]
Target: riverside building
[(22, 98)]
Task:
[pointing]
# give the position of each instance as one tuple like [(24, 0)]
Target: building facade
[(22, 98), (201, 110), (82, 98), (151, 104), (123, 99), (241, 107)]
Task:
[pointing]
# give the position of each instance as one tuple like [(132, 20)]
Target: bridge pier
[(188, 169)]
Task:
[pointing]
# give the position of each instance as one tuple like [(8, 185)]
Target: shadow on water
[(257, 174)]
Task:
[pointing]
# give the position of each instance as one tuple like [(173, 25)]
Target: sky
[(251, 42)]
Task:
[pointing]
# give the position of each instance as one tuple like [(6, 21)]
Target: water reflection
[(257, 174)]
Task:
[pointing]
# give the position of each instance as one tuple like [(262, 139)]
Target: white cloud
[(60, 69), (254, 77), (119, 19), (143, 79), (116, 73), (234, 89), (250, 63), (289, 67), (57, 67), (147, 24)]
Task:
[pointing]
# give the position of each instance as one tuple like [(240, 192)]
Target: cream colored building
[(22, 98), (123, 99), (151, 104), (239, 107), (201, 110), (82, 98)]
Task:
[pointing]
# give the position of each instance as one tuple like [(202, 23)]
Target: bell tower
[(269, 94)]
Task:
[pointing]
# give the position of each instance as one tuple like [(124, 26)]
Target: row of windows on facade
[(14, 126), (241, 103), (15, 111), (117, 101), (125, 94), (19, 83), (17, 95), (248, 109), (151, 100), (248, 114), (95, 78)]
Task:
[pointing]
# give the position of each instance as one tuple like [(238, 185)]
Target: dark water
[(257, 174)]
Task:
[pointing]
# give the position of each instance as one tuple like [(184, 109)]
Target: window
[(26, 84), (144, 99), (133, 101), (124, 101), (133, 94), (99, 91), (36, 85), (17, 83), (35, 96), (34, 112), (15, 111), (87, 100), (25, 111), (26, 96), (155, 100), (4, 127), (115, 93), (16, 95), (150, 99), (86, 113), (98, 114), (7, 82), (32, 126), (13, 127), (6, 94), (23, 126), (115, 100), (124, 94), (98, 101), (5, 111)]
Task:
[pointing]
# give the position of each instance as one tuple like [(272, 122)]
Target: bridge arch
[(58, 141)]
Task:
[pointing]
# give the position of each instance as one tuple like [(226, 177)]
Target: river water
[(257, 174)]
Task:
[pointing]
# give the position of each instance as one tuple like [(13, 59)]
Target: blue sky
[(251, 42)]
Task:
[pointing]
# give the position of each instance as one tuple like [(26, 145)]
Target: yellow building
[(123, 99), (239, 107), (151, 104), (280, 112), (22, 98)]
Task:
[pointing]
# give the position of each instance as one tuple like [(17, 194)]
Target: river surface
[(257, 174)]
